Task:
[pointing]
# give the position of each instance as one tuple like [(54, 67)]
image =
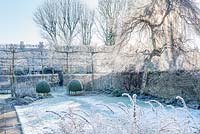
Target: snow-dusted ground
[(103, 115)]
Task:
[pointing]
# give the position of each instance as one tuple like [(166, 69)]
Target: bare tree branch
[(109, 20), (46, 16), (70, 15), (86, 24)]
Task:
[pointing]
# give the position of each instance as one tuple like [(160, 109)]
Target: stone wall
[(29, 79), (125, 81)]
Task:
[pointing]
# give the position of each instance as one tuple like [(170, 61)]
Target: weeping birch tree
[(165, 23)]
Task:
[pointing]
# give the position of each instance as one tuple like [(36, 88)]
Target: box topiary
[(74, 86), (43, 87)]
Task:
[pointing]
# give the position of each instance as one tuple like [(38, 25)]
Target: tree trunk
[(13, 74), (92, 66), (67, 64), (147, 61)]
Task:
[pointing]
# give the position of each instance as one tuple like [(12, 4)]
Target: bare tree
[(86, 24), (70, 15), (46, 16), (109, 20), (164, 23)]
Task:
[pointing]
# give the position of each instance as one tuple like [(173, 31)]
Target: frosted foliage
[(133, 119), (25, 89)]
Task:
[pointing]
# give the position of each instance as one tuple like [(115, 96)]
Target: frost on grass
[(119, 118)]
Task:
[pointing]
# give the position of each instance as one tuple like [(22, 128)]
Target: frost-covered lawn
[(104, 115)]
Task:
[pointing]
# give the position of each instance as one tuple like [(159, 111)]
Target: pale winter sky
[(16, 21)]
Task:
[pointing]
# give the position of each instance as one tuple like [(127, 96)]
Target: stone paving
[(9, 123)]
